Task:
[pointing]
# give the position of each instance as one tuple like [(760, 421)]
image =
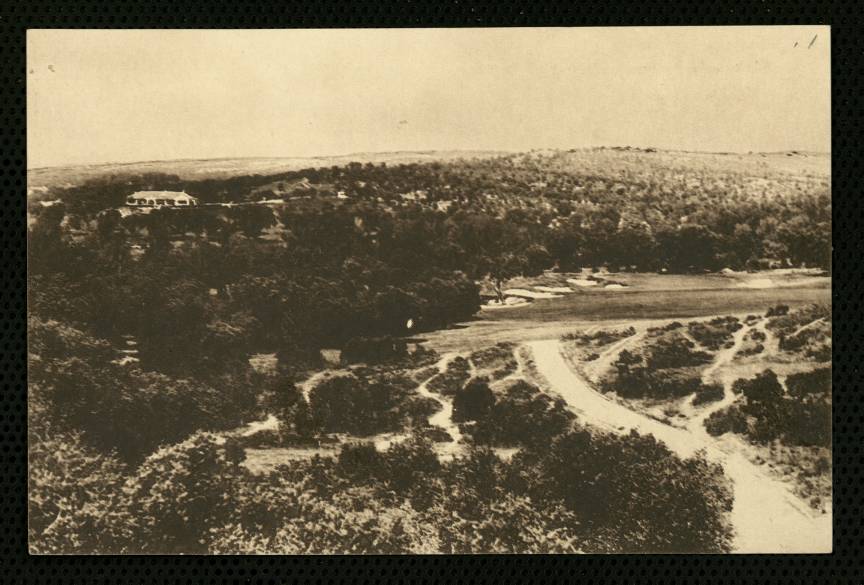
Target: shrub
[(728, 420), (599, 338), (409, 465), (451, 381), (777, 311), (656, 384), (359, 461), (766, 413), (522, 415), (764, 387), (675, 352), (504, 371), (435, 434), (180, 492), (808, 423), (76, 503), (265, 438), (655, 503), (752, 350), (293, 521), (813, 342), (473, 402), (785, 323), (656, 331), (756, 335), (497, 361), (626, 361), (512, 524), (494, 356), (752, 344), (710, 393), (715, 333), (364, 403), (816, 382), (424, 374)]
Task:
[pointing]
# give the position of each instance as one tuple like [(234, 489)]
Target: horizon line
[(420, 151)]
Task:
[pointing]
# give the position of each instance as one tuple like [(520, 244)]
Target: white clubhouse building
[(157, 198)]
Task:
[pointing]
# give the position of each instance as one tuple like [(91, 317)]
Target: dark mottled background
[(843, 566)]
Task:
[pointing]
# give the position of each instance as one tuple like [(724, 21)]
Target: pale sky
[(132, 95)]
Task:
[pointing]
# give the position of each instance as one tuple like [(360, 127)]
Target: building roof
[(160, 195)]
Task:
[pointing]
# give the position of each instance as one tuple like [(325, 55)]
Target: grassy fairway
[(657, 304), (652, 297)]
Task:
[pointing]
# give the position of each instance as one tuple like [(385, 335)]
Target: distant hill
[(196, 169), (611, 161), (608, 162)]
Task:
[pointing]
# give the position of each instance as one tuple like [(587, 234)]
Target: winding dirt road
[(766, 516)]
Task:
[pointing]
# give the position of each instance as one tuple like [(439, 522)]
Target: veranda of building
[(159, 198)]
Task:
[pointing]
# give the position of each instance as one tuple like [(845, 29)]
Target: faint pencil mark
[(813, 41), (795, 45)]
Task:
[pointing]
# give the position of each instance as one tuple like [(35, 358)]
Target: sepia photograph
[(429, 291)]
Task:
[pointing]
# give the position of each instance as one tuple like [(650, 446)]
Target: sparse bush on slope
[(668, 367), (766, 413), (453, 379), (715, 333)]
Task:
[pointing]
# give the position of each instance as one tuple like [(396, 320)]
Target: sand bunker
[(508, 302), (554, 289), (615, 286), (530, 294), (757, 283), (582, 282)]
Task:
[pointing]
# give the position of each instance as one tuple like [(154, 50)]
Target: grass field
[(655, 304), (651, 297)]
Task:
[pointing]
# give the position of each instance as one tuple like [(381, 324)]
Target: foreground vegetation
[(194, 497), (93, 488)]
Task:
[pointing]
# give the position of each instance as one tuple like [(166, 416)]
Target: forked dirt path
[(444, 417), (807, 326), (723, 357), (594, 370), (766, 516)]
